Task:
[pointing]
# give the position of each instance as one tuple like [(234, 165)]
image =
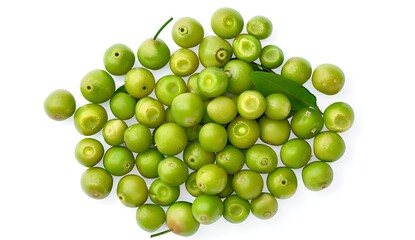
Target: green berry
[(89, 151), (236, 209), (187, 109), (317, 175), (265, 206), (207, 209), (60, 105), (261, 158), (247, 47), (167, 134), (150, 112), (97, 86), (214, 51), (248, 184), (338, 117), (259, 26), (211, 179), (96, 182), (118, 59), (307, 123), (187, 32), (132, 190), (90, 119), (282, 182), (113, 132), (328, 79), (173, 171), (118, 160), (139, 82), (329, 146), (150, 217), (227, 22), (180, 220), (163, 194), (297, 69)]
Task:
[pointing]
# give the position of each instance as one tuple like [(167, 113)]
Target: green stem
[(160, 233), (162, 27)]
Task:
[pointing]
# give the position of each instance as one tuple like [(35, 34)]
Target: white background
[(47, 45)]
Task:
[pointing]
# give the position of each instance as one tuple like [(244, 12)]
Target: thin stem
[(162, 27), (160, 233)]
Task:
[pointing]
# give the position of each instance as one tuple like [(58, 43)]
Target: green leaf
[(269, 82)]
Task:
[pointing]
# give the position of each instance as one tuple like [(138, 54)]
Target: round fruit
[(113, 132), (278, 106), (248, 184), (162, 193), (60, 105), (259, 26), (338, 117), (222, 109), (261, 158), (191, 185), (147, 162), (90, 118), (207, 209), (196, 157), (317, 175), (118, 160), (167, 134), (172, 171), (153, 53), (297, 69), (307, 123), (96, 182), (228, 190), (265, 206), (211, 179), (274, 132), (295, 153), (150, 217), (282, 182), (150, 112), (122, 105), (138, 138), (246, 47), (187, 109), (132, 190), (184, 62), (97, 86), (213, 137), (329, 146), (251, 104), (236, 209), (239, 78), (89, 151), (214, 51), (231, 158), (243, 133), (227, 22), (212, 82), (180, 220), (118, 59), (271, 56), (139, 82), (187, 32), (168, 87), (328, 79)]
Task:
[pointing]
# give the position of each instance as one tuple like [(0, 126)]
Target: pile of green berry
[(207, 127)]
